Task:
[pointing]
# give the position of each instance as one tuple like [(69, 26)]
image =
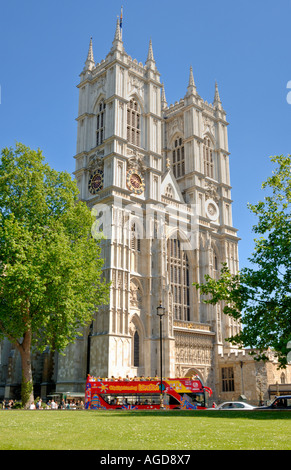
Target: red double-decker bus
[(184, 394)]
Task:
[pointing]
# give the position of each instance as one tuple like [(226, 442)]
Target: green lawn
[(144, 430)]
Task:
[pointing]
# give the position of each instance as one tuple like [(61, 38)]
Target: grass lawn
[(144, 430)]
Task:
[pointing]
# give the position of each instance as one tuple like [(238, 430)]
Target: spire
[(150, 62), (117, 36), (150, 52), (216, 101), (90, 64), (163, 98), (117, 41), (191, 85)]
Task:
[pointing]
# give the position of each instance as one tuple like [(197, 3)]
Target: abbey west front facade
[(156, 177), (159, 177)]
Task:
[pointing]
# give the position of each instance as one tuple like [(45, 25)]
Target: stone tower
[(157, 179)]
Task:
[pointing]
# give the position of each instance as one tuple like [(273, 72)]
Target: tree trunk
[(27, 382)]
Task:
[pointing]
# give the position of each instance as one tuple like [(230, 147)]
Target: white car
[(234, 405)]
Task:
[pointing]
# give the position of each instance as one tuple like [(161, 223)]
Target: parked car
[(280, 403), (234, 405)]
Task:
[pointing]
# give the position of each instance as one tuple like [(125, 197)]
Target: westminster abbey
[(156, 177)]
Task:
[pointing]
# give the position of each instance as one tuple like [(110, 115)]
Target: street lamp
[(161, 313), (90, 334)]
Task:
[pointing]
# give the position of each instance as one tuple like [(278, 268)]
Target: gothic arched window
[(136, 349), (135, 239), (215, 262), (133, 123), (208, 157), (135, 248), (178, 158), (100, 128), (282, 378), (178, 269)]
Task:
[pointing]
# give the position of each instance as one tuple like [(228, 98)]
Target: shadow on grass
[(249, 414)]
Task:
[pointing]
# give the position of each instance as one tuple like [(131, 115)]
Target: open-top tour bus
[(178, 393)]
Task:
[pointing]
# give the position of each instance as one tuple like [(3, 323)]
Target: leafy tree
[(50, 267), (260, 296)]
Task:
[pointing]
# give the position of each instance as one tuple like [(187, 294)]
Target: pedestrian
[(39, 404), (54, 405)]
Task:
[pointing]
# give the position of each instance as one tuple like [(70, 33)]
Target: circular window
[(211, 209)]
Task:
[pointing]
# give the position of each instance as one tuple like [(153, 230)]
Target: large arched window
[(208, 157), (178, 158), (100, 128), (136, 334), (133, 123), (179, 280), (136, 349)]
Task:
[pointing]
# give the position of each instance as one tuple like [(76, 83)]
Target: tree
[(50, 267), (260, 296)]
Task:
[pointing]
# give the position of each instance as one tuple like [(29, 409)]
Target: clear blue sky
[(245, 46)]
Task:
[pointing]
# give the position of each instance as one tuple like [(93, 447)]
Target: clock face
[(96, 181), (135, 182)]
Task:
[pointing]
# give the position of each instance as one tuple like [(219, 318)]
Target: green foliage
[(260, 296), (51, 279)]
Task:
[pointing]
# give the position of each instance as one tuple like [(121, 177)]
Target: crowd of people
[(55, 405), (8, 404), (124, 379), (133, 379), (39, 404)]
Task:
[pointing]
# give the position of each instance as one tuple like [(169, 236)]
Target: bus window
[(197, 398)]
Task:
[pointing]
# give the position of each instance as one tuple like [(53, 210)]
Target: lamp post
[(161, 313), (89, 347)]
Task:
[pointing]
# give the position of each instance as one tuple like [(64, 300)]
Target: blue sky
[(245, 46)]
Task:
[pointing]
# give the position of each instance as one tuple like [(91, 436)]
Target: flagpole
[(120, 21)]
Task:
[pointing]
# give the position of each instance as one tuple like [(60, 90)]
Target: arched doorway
[(192, 372)]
